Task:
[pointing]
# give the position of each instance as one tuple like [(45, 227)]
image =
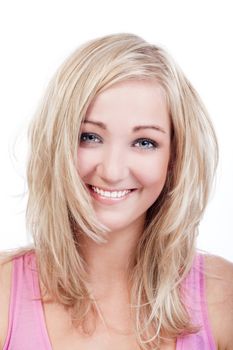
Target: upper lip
[(112, 189)]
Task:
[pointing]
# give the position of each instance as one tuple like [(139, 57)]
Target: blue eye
[(89, 138), (92, 138), (146, 144)]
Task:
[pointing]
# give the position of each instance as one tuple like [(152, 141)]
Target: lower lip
[(107, 200)]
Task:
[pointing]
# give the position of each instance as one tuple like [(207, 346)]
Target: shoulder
[(5, 287), (219, 292)]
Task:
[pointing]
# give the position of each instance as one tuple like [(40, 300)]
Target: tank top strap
[(26, 325), (194, 297)]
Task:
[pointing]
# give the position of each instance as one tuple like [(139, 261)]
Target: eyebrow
[(135, 128)]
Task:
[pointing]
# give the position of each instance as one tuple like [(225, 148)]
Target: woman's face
[(124, 152)]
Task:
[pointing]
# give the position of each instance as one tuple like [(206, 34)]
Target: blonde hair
[(59, 206)]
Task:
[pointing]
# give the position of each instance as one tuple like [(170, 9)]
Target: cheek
[(85, 162), (153, 171)]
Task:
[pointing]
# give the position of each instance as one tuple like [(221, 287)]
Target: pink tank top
[(27, 328)]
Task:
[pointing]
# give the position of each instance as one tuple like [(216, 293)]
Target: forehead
[(129, 103)]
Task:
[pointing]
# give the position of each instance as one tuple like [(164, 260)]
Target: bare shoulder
[(219, 288), (5, 287)]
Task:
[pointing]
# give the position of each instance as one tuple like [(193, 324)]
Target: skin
[(117, 160)]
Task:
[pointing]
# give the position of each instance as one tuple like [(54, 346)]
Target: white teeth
[(108, 194)]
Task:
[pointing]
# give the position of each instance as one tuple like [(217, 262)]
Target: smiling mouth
[(110, 194)]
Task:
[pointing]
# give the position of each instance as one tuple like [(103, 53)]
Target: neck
[(108, 263)]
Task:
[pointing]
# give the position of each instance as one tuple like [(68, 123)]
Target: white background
[(36, 36)]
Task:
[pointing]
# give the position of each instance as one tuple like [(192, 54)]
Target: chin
[(117, 224)]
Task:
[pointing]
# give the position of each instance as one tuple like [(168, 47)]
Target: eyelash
[(86, 134)]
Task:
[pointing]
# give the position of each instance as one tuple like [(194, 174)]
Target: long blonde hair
[(59, 206)]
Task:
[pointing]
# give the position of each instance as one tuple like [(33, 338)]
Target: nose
[(113, 166)]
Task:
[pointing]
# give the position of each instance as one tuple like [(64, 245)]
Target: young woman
[(122, 159)]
